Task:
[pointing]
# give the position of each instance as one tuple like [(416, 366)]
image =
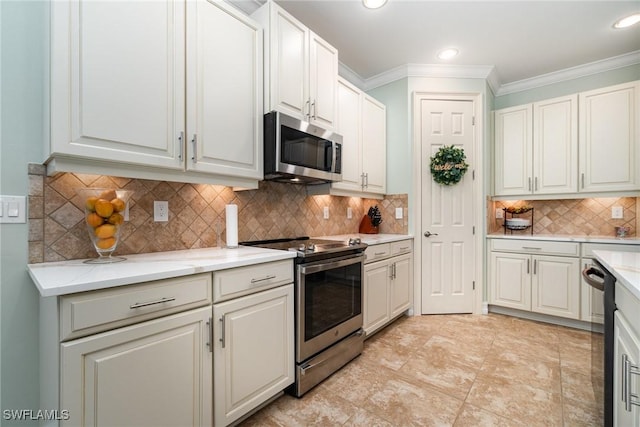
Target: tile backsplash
[(57, 230), (578, 217)]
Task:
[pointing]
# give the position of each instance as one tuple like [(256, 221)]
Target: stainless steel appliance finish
[(602, 345), (298, 152), (328, 305)]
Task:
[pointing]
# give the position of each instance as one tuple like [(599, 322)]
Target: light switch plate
[(349, 213), (325, 212), (499, 213), (616, 212), (399, 213), (13, 210)]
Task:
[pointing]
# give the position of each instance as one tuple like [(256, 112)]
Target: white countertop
[(369, 239), (67, 277), (569, 238), (625, 266)]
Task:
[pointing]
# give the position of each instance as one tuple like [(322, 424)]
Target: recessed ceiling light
[(373, 4), (447, 53), (627, 21)]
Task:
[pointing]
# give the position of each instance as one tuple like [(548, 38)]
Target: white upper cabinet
[(609, 128), (224, 91), (536, 148), (115, 82), (301, 69), (167, 89), (555, 145), (361, 120)]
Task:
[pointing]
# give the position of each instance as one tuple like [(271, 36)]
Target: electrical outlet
[(616, 212), (499, 214), (398, 213), (160, 211), (325, 212), (349, 213)]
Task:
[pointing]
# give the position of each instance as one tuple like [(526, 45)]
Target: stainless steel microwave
[(299, 152)]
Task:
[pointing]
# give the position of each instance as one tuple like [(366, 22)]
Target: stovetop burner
[(308, 248)]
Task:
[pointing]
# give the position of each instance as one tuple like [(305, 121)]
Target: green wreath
[(448, 165)]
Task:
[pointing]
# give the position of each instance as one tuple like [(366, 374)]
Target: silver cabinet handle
[(528, 266), (379, 253), (194, 141), (313, 106), (629, 398), (222, 337), (582, 180), (529, 183), (532, 248), (307, 106), (362, 180), (263, 279), (535, 266), (536, 184), (210, 331), (181, 145), (366, 178), (391, 271), (154, 302), (429, 234)]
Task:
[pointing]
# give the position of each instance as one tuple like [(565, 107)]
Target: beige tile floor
[(454, 370)]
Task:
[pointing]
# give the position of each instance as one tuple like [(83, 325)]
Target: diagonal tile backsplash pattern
[(582, 217), (57, 230)]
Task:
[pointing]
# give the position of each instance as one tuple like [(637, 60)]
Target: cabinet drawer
[(92, 312), (536, 247), (236, 282), (376, 252), (401, 247), (588, 248)]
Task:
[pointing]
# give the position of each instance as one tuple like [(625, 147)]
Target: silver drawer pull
[(379, 253), (262, 280), (404, 248), (158, 301), (628, 369), (532, 248)]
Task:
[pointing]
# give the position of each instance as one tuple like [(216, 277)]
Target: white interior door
[(447, 212)]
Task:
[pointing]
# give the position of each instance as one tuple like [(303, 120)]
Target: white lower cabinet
[(544, 284), (153, 373), (253, 351), (388, 289), (626, 371)]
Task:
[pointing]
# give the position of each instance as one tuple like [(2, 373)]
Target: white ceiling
[(516, 40)]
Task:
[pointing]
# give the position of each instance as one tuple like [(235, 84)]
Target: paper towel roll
[(231, 212)]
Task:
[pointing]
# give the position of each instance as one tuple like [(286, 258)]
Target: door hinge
[(474, 285)]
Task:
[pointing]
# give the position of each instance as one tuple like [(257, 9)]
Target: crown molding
[(570, 73), (487, 72)]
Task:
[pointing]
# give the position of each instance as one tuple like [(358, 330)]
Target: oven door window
[(302, 149), (330, 298)]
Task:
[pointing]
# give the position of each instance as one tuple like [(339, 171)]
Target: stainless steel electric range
[(328, 305)]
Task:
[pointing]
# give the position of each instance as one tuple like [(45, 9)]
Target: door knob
[(429, 234)]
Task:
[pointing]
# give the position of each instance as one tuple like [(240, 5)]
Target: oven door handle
[(334, 263), (587, 274)]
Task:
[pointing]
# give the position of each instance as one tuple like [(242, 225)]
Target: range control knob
[(311, 247), (302, 247), (354, 241)]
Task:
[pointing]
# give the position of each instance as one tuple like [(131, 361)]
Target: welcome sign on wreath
[(448, 165)]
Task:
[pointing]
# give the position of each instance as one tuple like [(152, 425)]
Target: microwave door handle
[(329, 157)]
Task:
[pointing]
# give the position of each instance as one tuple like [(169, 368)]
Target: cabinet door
[(323, 78), (224, 96), (348, 125), (555, 287), (150, 374), (374, 145), (555, 142), (513, 145), (117, 86), (510, 278), (626, 343), (289, 64), (609, 127), (253, 351), (401, 286), (376, 296)]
